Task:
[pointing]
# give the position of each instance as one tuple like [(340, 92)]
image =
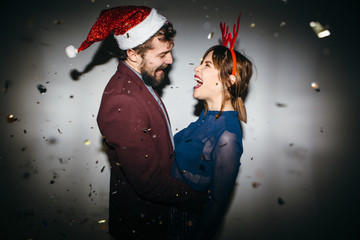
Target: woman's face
[(209, 85)]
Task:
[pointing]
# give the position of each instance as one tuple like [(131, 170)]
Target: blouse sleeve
[(226, 163)]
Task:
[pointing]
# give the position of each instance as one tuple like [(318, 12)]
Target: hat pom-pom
[(71, 51)]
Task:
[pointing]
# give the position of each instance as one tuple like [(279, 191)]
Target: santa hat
[(131, 26)]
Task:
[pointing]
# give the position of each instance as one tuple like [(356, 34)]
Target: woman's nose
[(196, 69)]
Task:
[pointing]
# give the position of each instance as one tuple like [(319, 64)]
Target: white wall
[(304, 152)]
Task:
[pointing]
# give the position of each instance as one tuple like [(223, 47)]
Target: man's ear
[(132, 55), (232, 79)]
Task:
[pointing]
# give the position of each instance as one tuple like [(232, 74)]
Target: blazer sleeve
[(124, 125)]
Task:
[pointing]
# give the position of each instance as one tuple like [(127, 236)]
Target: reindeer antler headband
[(227, 37)]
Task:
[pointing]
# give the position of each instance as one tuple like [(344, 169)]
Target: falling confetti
[(58, 22), (87, 142), (319, 29), (252, 25), (255, 184), (282, 24), (280, 104), (210, 35), (42, 89), (10, 118), (102, 221), (6, 86), (315, 86), (280, 201)]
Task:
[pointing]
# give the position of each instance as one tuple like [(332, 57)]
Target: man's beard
[(151, 79)]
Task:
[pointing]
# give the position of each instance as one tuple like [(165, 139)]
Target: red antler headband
[(227, 37)]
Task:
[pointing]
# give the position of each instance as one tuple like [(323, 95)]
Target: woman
[(208, 151)]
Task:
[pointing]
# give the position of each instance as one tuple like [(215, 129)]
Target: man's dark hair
[(165, 34)]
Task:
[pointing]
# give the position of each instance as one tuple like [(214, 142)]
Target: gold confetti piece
[(87, 142), (282, 24), (319, 30), (252, 25), (210, 35), (102, 221), (10, 118), (315, 86)]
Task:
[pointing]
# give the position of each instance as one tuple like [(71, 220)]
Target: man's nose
[(169, 58)]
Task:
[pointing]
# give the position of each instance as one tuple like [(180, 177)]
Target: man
[(136, 127)]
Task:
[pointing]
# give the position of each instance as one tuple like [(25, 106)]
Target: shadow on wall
[(108, 49)]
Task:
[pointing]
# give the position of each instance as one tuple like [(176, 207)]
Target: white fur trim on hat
[(141, 32)]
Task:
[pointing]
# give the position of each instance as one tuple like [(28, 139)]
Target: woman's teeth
[(199, 82)]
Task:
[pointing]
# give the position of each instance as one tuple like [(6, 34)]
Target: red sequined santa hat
[(131, 26)]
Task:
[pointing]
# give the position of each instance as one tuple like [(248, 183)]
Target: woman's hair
[(223, 62), (165, 34)]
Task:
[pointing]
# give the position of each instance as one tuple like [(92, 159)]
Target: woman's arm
[(226, 163)]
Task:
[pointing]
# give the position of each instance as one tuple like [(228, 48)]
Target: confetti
[(10, 118), (282, 24), (255, 184), (58, 22), (252, 25), (280, 201), (6, 86), (280, 104), (42, 89), (210, 35), (315, 86), (102, 221), (319, 30), (87, 142)]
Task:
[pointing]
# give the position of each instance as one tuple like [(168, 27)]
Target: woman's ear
[(232, 79)]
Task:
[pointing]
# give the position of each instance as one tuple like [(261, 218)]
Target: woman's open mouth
[(199, 81)]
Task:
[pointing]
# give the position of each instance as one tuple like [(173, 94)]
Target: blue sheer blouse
[(207, 157)]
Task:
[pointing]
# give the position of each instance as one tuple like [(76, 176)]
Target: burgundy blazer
[(140, 153)]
